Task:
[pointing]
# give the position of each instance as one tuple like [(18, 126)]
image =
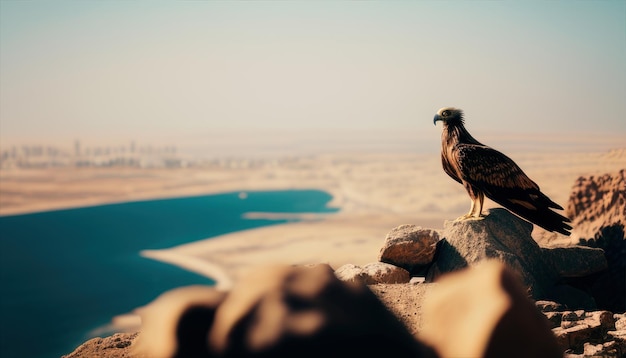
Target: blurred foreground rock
[(305, 311), (276, 312), (485, 312), (308, 312)]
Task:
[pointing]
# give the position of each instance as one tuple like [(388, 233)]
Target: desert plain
[(374, 192)]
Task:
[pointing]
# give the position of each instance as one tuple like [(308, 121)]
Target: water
[(65, 273)]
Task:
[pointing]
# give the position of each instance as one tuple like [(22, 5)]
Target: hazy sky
[(93, 69)]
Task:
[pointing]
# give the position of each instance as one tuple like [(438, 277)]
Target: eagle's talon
[(469, 217)]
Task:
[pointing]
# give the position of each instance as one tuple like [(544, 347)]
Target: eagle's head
[(449, 116)]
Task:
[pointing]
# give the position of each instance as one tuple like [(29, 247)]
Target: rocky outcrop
[(499, 235), (586, 334), (410, 247), (503, 236), (546, 272), (597, 202), (597, 207)]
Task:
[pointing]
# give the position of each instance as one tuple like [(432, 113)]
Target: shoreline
[(226, 258), (335, 239), (374, 194), (385, 182), (202, 267), (36, 208)]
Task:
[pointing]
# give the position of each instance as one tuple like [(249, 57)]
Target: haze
[(188, 70)]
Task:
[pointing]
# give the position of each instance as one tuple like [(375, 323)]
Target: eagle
[(484, 171)]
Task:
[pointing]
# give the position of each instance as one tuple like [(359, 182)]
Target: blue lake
[(65, 273)]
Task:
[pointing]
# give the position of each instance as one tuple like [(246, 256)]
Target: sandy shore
[(402, 184), (336, 240), (375, 193)]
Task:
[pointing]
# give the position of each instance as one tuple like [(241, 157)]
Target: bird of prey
[(484, 171)]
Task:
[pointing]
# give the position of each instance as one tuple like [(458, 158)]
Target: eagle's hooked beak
[(437, 118)]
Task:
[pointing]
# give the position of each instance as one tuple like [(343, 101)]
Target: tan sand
[(336, 240), (375, 194)]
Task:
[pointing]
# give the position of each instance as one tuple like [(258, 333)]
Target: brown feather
[(482, 169)]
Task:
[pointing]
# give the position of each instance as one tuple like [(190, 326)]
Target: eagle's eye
[(445, 113)]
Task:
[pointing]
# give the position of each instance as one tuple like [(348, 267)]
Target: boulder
[(575, 261), (485, 312), (499, 235), (350, 273), (373, 273), (503, 236), (380, 272), (410, 247)]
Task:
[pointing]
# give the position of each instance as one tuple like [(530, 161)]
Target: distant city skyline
[(283, 144), (49, 155), (159, 71)]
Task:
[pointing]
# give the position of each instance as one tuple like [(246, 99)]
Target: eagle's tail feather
[(544, 200), (541, 216)]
